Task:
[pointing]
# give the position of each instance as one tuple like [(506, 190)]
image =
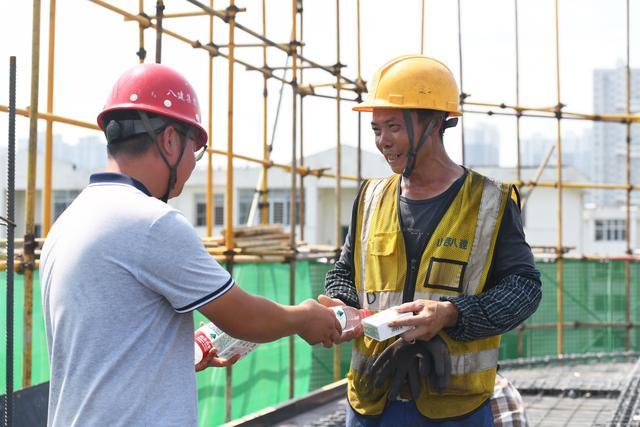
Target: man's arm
[(339, 282), (257, 319)]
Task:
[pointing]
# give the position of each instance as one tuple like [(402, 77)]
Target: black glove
[(438, 368), (398, 362)]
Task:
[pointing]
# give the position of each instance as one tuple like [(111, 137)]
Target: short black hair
[(132, 145), (426, 115)]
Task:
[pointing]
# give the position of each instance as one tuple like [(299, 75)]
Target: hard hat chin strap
[(173, 169), (413, 149)]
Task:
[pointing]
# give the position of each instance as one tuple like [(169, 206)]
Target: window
[(61, 200), (201, 210), (245, 198), (610, 230)]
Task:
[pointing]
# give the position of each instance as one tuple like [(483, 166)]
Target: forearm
[(340, 284), (253, 318), (496, 311)]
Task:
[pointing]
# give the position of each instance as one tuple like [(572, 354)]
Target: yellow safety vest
[(455, 261)]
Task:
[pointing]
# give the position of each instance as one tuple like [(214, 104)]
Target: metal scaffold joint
[(142, 54), (361, 86), (336, 68), (304, 90), (557, 110), (231, 12), (147, 20), (464, 96)]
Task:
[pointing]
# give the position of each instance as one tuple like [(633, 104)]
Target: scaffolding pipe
[(302, 199), (159, 11), (421, 29), (337, 374), (142, 54), (228, 231), (559, 252), (209, 197), (627, 264), (264, 200), (361, 84), (48, 150), (462, 94), (518, 116), (271, 43), (28, 253), (616, 118), (292, 194), (52, 117)]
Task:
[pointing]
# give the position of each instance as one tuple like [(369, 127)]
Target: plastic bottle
[(350, 317), (209, 336)]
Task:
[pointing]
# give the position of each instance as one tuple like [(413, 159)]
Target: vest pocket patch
[(445, 274)]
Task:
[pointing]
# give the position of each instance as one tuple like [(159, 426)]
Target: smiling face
[(391, 137)]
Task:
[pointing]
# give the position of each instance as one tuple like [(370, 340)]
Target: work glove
[(399, 363), (435, 363)]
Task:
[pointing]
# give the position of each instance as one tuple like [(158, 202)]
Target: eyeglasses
[(199, 153)]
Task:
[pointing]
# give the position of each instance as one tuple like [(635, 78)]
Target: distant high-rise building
[(535, 148), (482, 144), (609, 144)]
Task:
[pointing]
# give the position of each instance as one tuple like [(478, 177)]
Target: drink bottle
[(209, 336), (350, 317)]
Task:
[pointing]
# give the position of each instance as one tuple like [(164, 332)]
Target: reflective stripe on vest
[(455, 261)]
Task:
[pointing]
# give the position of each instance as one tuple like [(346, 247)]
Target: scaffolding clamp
[(361, 86), (210, 47), (141, 53), (336, 68), (304, 90), (267, 72), (464, 96), (293, 45), (231, 12), (147, 18), (557, 112)]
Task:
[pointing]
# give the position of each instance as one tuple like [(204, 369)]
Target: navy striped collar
[(107, 177)]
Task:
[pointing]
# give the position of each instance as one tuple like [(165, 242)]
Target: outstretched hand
[(356, 332)]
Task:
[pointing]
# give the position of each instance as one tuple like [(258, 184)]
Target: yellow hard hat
[(413, 82)]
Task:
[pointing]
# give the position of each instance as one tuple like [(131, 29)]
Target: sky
[(95, 45)]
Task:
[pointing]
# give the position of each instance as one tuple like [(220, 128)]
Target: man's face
[(391, 137), (186, 165)]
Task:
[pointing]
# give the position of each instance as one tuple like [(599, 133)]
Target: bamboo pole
[(292, 194), (228, 232), (264, 200), (28, 253), (48, 150), (209, 197), (337, 356), (627, 264), (462, 94), (559, 251)]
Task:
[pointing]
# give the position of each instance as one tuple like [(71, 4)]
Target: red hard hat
[(158, 89)]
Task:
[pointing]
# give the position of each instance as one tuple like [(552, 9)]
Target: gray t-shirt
[(121, 273)]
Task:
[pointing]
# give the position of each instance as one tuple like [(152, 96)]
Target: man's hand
[(212, 360), (320, 324), (356, 332), (429, 319)]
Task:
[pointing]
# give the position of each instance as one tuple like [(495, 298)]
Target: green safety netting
[(594, 292)]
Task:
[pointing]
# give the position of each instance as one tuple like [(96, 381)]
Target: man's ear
[(168, 142)]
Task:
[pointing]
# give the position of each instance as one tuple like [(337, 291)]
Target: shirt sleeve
[(177, 266), (340, 282), (496, 311)]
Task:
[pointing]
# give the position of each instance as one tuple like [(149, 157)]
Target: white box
[(377, 326)]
